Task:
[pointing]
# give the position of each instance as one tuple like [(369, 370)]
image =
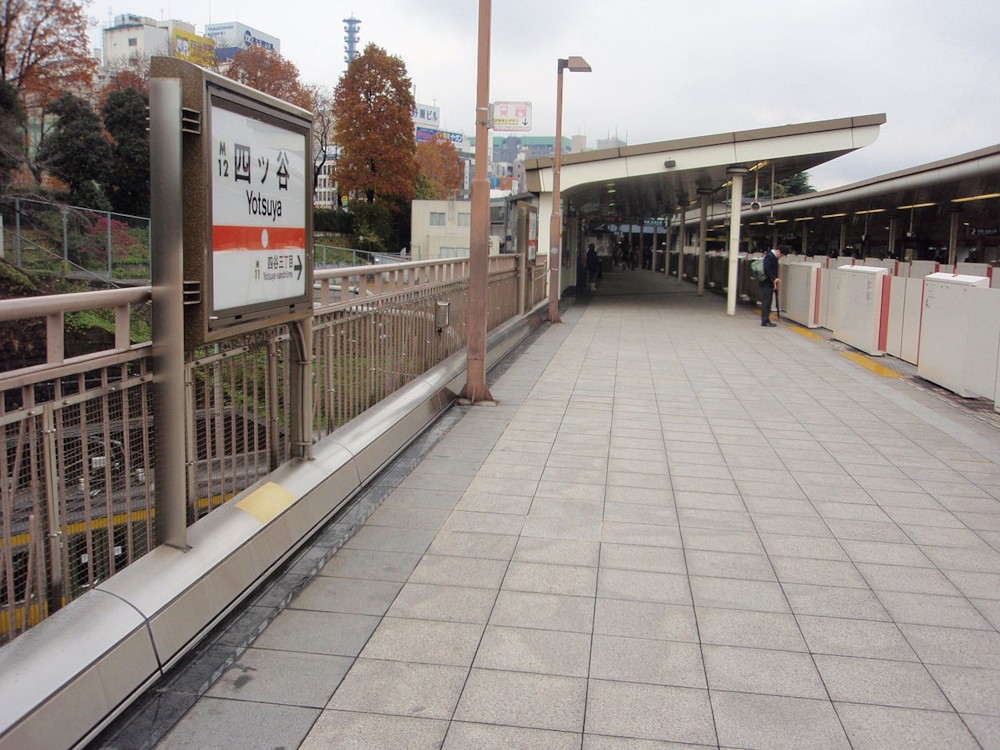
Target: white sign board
[(258, 211), (424, 115), (512, 116)]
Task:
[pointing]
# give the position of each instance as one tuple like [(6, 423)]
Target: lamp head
[(575, 64)]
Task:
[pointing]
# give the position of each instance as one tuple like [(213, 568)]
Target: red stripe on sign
[(258, 238)]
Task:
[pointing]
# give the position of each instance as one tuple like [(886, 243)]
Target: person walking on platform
[(593, 266), (770, 283)]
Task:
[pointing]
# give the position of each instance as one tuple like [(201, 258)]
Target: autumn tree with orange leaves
[(374, 128), (266, 70), (44, 49), (440, 168)]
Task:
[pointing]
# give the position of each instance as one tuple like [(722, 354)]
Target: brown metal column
[(167, 241), (475, 390), (555, 225)]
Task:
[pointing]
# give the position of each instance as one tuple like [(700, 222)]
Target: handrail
[(51, 304)]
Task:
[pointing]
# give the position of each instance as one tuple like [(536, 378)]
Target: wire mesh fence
[(77, 495), (69, 241)]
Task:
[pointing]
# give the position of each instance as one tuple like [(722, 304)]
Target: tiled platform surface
[(677, 529)]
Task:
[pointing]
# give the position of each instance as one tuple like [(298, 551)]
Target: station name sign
[(258, 210), (246, 177)]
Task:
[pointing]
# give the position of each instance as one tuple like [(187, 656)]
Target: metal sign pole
[(167, 255)]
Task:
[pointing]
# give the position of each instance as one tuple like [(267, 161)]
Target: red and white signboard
[(258, 211), (511, 117)]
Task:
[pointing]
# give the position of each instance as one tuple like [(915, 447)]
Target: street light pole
[(574, 64), (476, 391)]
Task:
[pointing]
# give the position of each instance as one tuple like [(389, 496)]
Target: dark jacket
[(770, 268)]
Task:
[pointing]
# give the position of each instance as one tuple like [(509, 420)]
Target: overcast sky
[(664, 70)]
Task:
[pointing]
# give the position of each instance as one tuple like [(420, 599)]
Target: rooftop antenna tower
[(352, 35)]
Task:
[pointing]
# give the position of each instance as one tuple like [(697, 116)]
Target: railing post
[(17, 232), (55, 592), (302, 388), (65, 228), (522, 273), (109, 246)]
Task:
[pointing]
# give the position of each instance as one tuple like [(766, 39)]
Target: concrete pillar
[(843, 238), (955, 217), (893, 234), (706, 196), (734, 237)]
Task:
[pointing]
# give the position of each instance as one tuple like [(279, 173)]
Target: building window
[(454, 252), (437, 218), (463, 219), (133, 41)]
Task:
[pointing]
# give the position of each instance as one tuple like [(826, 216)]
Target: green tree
[(11, 135), (374, 128), (77, 152), (796, 184), (127, 177), (373, 227)]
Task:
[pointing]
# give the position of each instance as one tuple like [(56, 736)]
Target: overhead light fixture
[(915, 205), (832, 216), (670, 164), (805, 218), (976, 198), (879, 210)]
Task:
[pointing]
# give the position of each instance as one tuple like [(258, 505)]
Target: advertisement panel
[(196, 49), (240, 36), (425, 134), (259, 206)]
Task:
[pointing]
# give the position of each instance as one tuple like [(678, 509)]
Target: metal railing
[(77, 501)]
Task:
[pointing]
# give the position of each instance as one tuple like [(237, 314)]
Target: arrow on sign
[(298, 266)]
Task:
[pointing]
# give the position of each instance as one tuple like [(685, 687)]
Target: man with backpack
[(770, 283)]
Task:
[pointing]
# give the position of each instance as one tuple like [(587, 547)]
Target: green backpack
[(757, 270)]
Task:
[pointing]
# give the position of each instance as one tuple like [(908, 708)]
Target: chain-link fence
[(72, 242)]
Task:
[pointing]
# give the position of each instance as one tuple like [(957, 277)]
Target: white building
[(233, 36), (325, 195), (139, 36), (133, 35), (440, 229)]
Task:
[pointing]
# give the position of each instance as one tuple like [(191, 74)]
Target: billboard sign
[(511, 116), (240, 36), (199, 50), (425, 134), (426, 116)]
